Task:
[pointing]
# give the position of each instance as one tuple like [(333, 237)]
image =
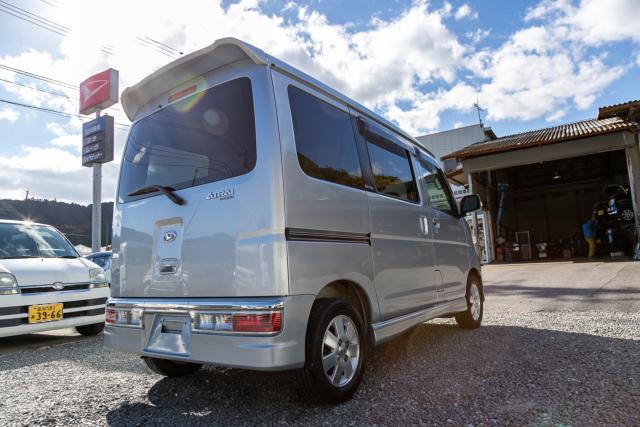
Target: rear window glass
[(392, 171), (207, 137), (324, 140)]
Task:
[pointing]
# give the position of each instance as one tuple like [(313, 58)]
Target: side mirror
[(469, 203)]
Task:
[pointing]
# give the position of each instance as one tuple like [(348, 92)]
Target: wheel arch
[(475, 273), (352, 292)]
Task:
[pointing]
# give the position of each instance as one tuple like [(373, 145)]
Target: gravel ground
[(536, 368)]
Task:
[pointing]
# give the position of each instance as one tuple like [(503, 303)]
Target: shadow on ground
[(436, 373)]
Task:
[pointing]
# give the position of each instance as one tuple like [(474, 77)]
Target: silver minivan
[(265, 221)]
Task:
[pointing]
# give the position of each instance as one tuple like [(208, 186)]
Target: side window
[(437, 188), (324, 140), (392, 171)]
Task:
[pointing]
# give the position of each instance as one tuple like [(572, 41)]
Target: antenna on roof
[(476, 105)]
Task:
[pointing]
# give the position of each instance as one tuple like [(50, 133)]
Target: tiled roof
[(550, 135), (617, 109)]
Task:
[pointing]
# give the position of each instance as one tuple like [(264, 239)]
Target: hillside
[(72, 219)]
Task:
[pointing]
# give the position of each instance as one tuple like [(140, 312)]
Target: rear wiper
[(166, 190)]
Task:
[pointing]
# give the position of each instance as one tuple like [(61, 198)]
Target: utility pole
[(96, 211)]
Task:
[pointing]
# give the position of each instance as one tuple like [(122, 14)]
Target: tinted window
[(100, 260), (29, 241), (206, 137), (392, 171), (324, 140), (437, 188)]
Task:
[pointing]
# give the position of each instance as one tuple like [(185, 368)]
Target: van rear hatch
[(200, 150)]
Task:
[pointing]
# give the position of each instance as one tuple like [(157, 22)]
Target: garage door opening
[(545, 205)]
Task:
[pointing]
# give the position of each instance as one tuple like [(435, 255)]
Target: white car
[(45, 284)]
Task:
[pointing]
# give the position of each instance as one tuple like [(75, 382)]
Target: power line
[(39, 77), (159, 49), (32, 22), (49, 3), (56, 112), (42, 22), (35, 16), (36, 88), (166, 46), (63, 30)]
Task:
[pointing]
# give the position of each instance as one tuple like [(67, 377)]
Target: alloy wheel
[(340, 351)]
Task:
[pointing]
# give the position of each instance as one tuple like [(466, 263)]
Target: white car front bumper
[(81, 306)]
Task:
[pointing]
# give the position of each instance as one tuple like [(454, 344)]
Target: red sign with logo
[(99, 91)]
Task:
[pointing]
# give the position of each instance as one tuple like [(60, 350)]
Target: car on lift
[(266, 221), (615, 219), (45, 284), (617, 206)]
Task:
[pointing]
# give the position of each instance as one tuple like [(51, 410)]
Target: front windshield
[(33, 241)]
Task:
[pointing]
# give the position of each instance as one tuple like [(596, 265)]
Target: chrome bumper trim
[(217, 304)]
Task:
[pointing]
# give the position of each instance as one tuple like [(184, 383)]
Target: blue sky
[(421, 64)]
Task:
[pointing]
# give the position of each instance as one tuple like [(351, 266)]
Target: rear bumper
[(282, 351)]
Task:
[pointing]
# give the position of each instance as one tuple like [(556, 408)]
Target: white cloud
[(541, 71), (465, 11), (9, 114), (478, 35), (592, 22)]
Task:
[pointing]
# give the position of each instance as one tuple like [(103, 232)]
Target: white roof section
[(224, 52)]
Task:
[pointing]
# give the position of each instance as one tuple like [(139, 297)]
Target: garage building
[(541, 186)]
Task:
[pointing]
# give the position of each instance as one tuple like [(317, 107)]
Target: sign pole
[(98, 92), (96, 211)]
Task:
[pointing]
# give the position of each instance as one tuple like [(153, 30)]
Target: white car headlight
[(97, 278), (8, 284)]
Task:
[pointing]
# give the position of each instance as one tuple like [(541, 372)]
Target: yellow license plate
[(45, 313), (600, 212)]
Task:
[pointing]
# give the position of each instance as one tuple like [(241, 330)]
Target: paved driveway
[(563, 285)]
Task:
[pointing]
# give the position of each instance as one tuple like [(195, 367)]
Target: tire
[(471, 318), (627, 215), (170, 368), (327, 315), (90, 330)]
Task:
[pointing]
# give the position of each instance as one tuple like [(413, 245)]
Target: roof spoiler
[(222, 52)]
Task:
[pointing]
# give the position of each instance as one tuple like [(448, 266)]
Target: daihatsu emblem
[(170, 236), (58, 286)]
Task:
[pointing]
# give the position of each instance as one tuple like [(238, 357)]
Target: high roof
[(549, 135)]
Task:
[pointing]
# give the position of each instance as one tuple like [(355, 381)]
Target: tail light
[(129, 317), (259, 322)]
